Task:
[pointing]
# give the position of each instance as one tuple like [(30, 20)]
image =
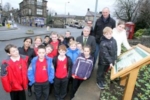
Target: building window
[(31, 2), (39, 2), (39, 11)]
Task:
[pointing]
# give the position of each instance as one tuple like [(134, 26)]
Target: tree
[(145, 12), (7, 6), (127, 10), (50, 13)]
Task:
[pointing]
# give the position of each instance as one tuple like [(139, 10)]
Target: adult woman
[(119, 34), (26, 50)]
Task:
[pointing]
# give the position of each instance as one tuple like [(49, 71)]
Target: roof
[(65, 16), (91, 13)]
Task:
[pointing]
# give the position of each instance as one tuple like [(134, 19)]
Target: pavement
[(88, 89)]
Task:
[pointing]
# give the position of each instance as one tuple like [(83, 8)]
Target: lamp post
[(95, 13), (65, 6), (65, 12)]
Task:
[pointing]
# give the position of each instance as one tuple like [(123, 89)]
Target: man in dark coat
[(101, 23)]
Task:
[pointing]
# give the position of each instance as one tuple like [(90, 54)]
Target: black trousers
[(18, 95), (101, 72), (75, 86), (41, 89), (60, 87)]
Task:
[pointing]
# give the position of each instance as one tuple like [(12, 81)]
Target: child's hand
[(73, 76), (111, 65), (85, 78)]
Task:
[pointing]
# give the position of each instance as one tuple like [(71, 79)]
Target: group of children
[(58, 60), (50, 62)]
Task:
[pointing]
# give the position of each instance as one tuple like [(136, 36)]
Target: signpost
[(128, 66)]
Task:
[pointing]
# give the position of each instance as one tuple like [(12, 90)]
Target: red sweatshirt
[(41, 74), (55, 46), (61, 68), (16, 77)]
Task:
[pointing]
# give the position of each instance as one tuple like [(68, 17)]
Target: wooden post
[(123, 80), (131, 84)]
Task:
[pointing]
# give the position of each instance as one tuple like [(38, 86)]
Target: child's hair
[(121, 22), (79, 43), (107, 30), (54, 33), (73, 42), (49, 45), (87, 46), (62, 47), (61, 36), (71, 38), (27, 39), (68, 32), (8, 47), (38, 37), (41, 47), (46, 37)]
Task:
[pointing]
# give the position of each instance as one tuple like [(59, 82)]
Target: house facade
[(90, 15), (33, 12)]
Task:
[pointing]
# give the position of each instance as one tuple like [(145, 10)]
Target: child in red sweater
[(62, 65), (14, 73), (55, 43), (49, 49), (41, 73)]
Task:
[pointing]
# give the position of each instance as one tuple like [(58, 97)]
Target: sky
[(74, 7)]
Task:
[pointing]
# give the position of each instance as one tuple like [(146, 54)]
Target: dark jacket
[(30, 53), (108, 51), (90, 41), (9, 75), (69, 65), (101, 24), (91, 32), (83, 67)]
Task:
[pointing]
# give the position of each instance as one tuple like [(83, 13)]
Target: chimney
[(88, 9)]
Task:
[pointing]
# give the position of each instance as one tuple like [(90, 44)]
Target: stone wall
[(145, 40)]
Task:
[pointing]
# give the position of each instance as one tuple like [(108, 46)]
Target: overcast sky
[(74, 7)]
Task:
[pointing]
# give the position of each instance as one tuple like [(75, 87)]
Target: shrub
[(147, 32), (139, 33)]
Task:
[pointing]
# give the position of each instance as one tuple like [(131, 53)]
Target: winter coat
[(83, 67), (30, 53), (101, 24), (108, 51), (32, 70), (73, 54), (9, 75)]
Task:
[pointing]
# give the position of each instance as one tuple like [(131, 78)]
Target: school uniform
[(62, 75), (14, 77), (41, 73)]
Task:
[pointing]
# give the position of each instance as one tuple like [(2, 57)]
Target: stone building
[(33, 12), (90, 15)]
